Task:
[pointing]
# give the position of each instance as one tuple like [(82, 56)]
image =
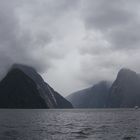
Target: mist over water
[(89, 124)]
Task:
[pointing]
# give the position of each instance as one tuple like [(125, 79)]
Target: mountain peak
[(29, 71), (23, 87), (22, 67), (126, 71), (125, 89)]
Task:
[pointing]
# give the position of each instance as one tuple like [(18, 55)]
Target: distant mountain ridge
[(124, 92), (23, 87), (93, 97)]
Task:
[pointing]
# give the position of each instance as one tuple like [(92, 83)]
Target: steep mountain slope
[(125, 91), (23, 87), (94, 97)]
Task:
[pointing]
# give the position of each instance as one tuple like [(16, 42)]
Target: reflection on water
[(92, 124)]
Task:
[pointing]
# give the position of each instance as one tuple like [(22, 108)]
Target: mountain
[(125, 91), (93, 97), (23, 87)]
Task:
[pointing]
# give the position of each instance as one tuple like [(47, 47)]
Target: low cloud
[(72, 43), (27, 33), (118, 21)]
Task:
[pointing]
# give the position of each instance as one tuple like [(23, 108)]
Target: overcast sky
[(72, 43)]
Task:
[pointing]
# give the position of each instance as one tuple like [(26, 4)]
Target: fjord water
[(71, 124)]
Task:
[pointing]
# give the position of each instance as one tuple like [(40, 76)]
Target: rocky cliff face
[(93, 97), (23, 87), (125, 91)]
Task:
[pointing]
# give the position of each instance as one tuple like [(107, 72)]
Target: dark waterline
[(71, 124)]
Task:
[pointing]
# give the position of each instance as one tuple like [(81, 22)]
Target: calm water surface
[(91, 124)]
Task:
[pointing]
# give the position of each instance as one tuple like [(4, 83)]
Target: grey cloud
[(83, 41), (127, 37), (106, 14), (118, 21), (104, 66), (13, 49), (21, 41), (94, 44)]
